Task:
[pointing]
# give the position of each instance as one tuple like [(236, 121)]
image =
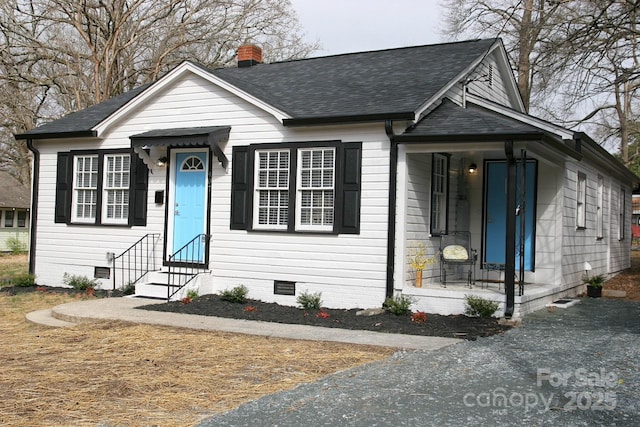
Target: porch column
[(510, 256)]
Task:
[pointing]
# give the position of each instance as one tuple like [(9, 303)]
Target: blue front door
[(495, 212), (190, 205)]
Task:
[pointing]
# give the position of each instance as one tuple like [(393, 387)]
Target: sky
[(344, 26)]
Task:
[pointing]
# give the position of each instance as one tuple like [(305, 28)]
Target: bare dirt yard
[(119, 374)]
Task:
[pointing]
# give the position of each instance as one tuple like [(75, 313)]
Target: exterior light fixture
[(473, 168), (162, 162)]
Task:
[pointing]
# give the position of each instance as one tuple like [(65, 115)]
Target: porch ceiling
[(210, 136)]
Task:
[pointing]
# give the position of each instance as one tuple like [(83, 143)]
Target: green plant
[(237, 294), (81, 283), (24, 280), (309, 301), (16, 246), (595, 281), (399, 304), (193, 294), (479, 307), (129, 289)]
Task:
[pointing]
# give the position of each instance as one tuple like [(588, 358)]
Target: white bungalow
[(323, 175)]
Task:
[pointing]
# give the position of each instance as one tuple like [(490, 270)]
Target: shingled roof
[(376, 85), (12, 193), (451, 121)]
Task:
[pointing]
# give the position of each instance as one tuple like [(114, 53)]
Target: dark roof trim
[(57, 135), (211, 136), (309, 121)]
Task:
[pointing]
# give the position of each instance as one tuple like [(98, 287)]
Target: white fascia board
[(514, 91), (186, 67), (564, 133)]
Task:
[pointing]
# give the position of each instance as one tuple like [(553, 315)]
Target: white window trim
[(581, 201), (300, 190), (622, 204), (106, 189), (257, 189), (75, 189), (600, 208), (438, 223)]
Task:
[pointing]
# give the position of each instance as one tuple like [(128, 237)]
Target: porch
[(434, 298)]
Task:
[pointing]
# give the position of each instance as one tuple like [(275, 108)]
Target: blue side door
[(190, 204), (495, 212)]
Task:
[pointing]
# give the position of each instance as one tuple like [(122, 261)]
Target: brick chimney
[(249, 55)]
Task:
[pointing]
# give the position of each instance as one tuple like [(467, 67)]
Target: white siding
[(349, 270)]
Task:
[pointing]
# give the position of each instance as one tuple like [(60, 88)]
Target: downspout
[(35, 179), (391, 226), (510, 256)]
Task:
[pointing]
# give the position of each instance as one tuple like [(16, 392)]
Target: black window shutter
[(138, 191), (349, 214), (63, 189), (240, 188)]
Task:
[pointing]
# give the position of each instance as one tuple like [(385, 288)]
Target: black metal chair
[(455, 250)]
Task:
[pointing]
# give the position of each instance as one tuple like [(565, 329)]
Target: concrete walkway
[(125, 309)]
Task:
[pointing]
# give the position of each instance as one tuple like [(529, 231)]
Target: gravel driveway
[(575, 366)]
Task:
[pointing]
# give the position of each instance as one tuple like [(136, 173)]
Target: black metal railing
[(186, 263), (135, 262)]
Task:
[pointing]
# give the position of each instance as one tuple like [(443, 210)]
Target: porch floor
[(435, 298)]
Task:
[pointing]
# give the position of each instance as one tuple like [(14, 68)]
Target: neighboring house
[(322, 175), (635, 221), (15, 199)]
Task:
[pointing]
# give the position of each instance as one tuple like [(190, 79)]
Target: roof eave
[(364, 118), (57, 135)]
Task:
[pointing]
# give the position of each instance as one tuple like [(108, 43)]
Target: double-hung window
[(116, 188), (299, 187), (272, 189), (315, 192), (85, 188), (101, 187)]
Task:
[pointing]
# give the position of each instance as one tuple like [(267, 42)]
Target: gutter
[(341, 120), (391, 225), (56, 135), (35, 179)]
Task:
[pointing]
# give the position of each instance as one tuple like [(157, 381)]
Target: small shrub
[(129, 289), (193, 294), (237, 294), (81, 283), (24, 280), (309, 301), (479, 307), (419, 317), (16, 246), (399, 304), (595, 281), (251, 309)]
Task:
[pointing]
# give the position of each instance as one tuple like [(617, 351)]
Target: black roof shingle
[(382, 84)]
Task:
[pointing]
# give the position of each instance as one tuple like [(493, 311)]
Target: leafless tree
[(59, 56), (576, 60)]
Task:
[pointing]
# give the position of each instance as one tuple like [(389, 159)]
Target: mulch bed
[(458, 326)]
